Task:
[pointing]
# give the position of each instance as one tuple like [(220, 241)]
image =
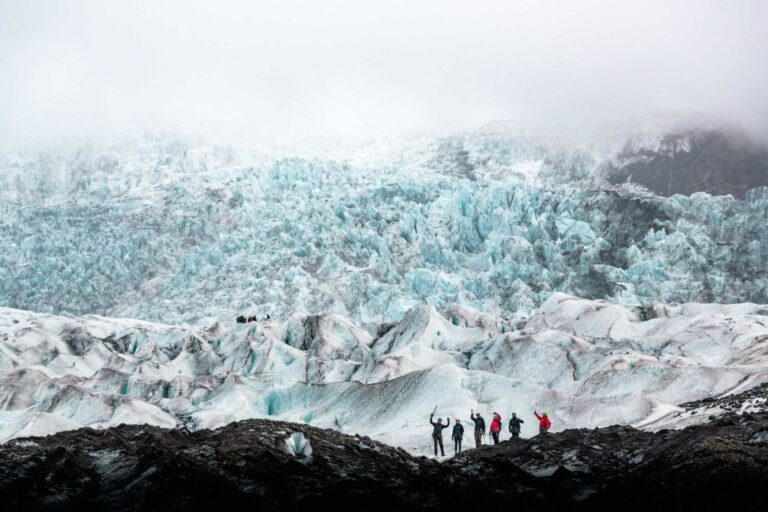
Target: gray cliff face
[(718, 162)]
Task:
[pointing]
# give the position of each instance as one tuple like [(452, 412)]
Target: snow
[(586, 362)]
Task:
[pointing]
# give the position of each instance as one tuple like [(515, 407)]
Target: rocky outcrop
[(723, 463), (718, 162)]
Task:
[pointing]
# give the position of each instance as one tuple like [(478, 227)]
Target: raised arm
[(537, 415)]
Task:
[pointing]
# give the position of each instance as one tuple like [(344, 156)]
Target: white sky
[(288, 66)]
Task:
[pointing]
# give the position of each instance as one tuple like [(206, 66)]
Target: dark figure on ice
[(544, 423), (437, 432), (252, 318), (496, 427), (458, 435), (514, 425), (240, 319), (479, 422)]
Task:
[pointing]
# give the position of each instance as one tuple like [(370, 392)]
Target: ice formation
[(587, 362), (298, 445), (398, 275), (178, 232)]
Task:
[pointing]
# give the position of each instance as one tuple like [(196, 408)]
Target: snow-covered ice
[(586, 362)]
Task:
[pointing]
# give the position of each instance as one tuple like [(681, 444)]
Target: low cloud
[(299, 67)]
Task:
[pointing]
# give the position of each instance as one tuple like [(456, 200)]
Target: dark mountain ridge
[(706, 467), (716, 161)]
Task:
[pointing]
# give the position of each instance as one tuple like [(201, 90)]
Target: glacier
[(487, 270), (179, 231), (587, 362)]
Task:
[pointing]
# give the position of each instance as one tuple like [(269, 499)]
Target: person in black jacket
[(514, 425), (437, 432), (458, 435), (479, 422)]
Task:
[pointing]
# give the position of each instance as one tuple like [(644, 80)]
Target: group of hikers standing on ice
[(457, 433)]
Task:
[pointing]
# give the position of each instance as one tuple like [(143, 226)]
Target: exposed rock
[(715, 161), (752, 400), (723, 463)]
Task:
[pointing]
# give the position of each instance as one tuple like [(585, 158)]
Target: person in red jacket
[(496, 427), (544, 423)]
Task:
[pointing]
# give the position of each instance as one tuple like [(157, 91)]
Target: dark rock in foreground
[(721, 464)]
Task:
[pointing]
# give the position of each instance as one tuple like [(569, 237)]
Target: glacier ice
[(366, 232), (298, 445), (589, 362), (398, 275)]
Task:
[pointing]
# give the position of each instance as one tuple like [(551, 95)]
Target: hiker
[(252, 318), (496, 427), (437, 432), (240, 319), (514, 425), (544, 423), (458, 435), (479, 422)]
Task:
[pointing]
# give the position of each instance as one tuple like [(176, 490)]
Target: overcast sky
[(95, 67)]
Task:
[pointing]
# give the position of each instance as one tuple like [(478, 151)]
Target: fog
[(333, 67)]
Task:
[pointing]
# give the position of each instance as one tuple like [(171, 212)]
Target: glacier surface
[(586, 362), (176, 231), (397, 275)]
